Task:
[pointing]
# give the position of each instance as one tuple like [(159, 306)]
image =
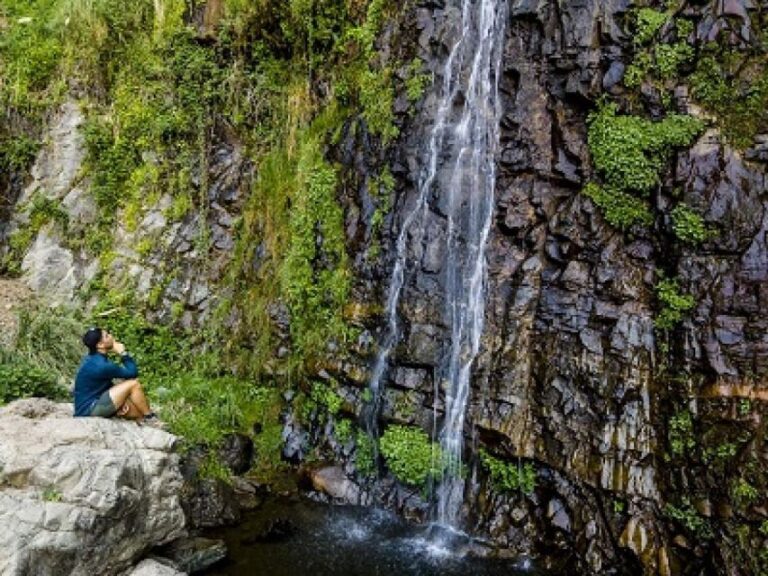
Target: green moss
[(680, 434), (674, 304), (417, 81), (688, 225), (734, 87), (411, 456), (620, 209), (365, 450), (509, 476), (630, 152), (687, 516)]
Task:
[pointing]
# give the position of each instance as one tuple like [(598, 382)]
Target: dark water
[(303, 538)]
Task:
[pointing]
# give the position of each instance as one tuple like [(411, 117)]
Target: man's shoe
[(153, 421)]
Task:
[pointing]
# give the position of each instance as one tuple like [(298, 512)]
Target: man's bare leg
[(129, 411), (130, 390)]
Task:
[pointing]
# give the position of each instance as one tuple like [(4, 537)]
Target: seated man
[(95, 393)]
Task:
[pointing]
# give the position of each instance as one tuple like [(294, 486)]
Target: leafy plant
[(743, 493), (680, 433), (674, 304), (417, 81), (21, 379), (49, 338), (51, 494), (630, 151), (686, 515), (365, 454), (411, 456), (509, 476), (688, 225), (620, 209)]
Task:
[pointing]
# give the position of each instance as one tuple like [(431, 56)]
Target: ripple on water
[(350, 541)]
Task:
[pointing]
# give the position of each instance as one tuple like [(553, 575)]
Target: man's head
[(98, 340)]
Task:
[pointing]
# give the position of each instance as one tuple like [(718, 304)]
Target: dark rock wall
[(573, 375)]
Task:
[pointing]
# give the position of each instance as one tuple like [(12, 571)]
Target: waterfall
[(458, 169)]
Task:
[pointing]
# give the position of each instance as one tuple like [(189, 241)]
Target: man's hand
[(118, 347)]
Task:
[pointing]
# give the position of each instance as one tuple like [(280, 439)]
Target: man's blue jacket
[(95, 377)]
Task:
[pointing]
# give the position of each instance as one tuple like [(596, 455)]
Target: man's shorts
[(105, 408)]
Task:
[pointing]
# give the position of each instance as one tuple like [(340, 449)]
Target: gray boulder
[(82, 496)]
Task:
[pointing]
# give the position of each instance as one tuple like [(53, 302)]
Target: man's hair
[(91, 339)]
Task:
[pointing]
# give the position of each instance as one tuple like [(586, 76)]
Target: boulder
[(83, 495), (332, 481), (150, 567)]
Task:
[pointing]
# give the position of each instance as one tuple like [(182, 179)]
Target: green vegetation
[(743, 493), (322, 403), (674, 304), (620, 209), (680, 434), (38, 212), (629, 152), (51, 494), (365, 454), (22, 379), (509, 476), (411, 456), (661, 50), (733, 86), (687, 516), (688, 225), (417, 81)]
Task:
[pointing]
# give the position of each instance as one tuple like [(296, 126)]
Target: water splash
[(458, 168)]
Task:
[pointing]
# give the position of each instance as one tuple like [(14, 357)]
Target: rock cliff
[(647, 442)]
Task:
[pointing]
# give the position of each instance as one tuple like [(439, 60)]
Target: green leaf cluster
[(21, 379), (680, 433), (674, 304), (411, 456), (509, 476), (734, 87), (688, 225), (687, 515), (315, 274), (656, 60), (620, 209), (365, 454), (629, 152)]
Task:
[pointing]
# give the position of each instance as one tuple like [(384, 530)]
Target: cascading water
[(458, 169)]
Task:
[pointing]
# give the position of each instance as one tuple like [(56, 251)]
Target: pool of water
[(304, 538)]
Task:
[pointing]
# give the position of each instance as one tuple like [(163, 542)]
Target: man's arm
[(127, 371)]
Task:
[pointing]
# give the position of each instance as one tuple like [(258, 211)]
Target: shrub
[(411, 456), (673, 303), (688, 225), (21, 379), (365, 454), (630, 151), (508, 476), (620, 209), (49, 338)]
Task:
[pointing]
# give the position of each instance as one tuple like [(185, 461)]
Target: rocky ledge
[(83, 495)]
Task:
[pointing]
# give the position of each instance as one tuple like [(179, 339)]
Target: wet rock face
[(572, 373)]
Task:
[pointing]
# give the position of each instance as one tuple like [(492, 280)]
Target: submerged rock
[(83, 495)]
